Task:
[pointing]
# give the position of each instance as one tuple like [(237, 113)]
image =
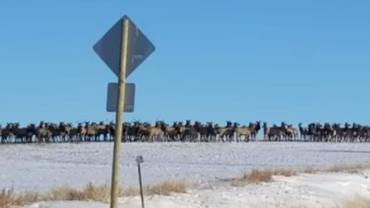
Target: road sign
[(123, 48), (113, 95), (109, 50)]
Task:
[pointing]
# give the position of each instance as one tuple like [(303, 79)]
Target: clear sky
[(240, 60)]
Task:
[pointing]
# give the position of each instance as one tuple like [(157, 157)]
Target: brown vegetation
[(310, 170), (8, 198), (258, 176), (166, 188), (358, 203), (90, 192), (342, 168), (348, 168)]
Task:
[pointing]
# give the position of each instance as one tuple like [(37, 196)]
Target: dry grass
[(8, 198), (258, 176), (358, 203), (163, 188), (349, 168), (166, 188), (90, 192), (310, 170), (342, 168)]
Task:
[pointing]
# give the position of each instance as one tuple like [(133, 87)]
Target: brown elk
[(43, 133), (245, 132), (153, 133), (273, 133)]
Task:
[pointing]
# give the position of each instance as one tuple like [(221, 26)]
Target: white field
[(42, 167), (324, 190)]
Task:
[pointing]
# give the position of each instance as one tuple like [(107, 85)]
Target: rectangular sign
[(113, 94)]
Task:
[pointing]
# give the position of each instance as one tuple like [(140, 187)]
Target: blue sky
[(294, 61)]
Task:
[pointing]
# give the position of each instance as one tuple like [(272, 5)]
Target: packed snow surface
[(44, 166)]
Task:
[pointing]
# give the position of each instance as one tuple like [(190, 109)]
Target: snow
[(42, 167), (329, 190)]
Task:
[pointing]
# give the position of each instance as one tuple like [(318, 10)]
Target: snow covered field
[(329, 190), (42, 167)]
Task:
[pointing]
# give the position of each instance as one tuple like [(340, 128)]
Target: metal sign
[(123, 48), (109, 50), (113, 95)]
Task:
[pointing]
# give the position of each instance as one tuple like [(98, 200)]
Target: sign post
[(119, 115), (123, 48), (139, 160)]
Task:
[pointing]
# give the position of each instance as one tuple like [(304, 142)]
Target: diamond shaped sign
[(108, 47)]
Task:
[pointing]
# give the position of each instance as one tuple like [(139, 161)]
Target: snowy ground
[(42, 167), (329, 190)]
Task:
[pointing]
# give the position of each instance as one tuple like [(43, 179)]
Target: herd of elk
[(178, 131)]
